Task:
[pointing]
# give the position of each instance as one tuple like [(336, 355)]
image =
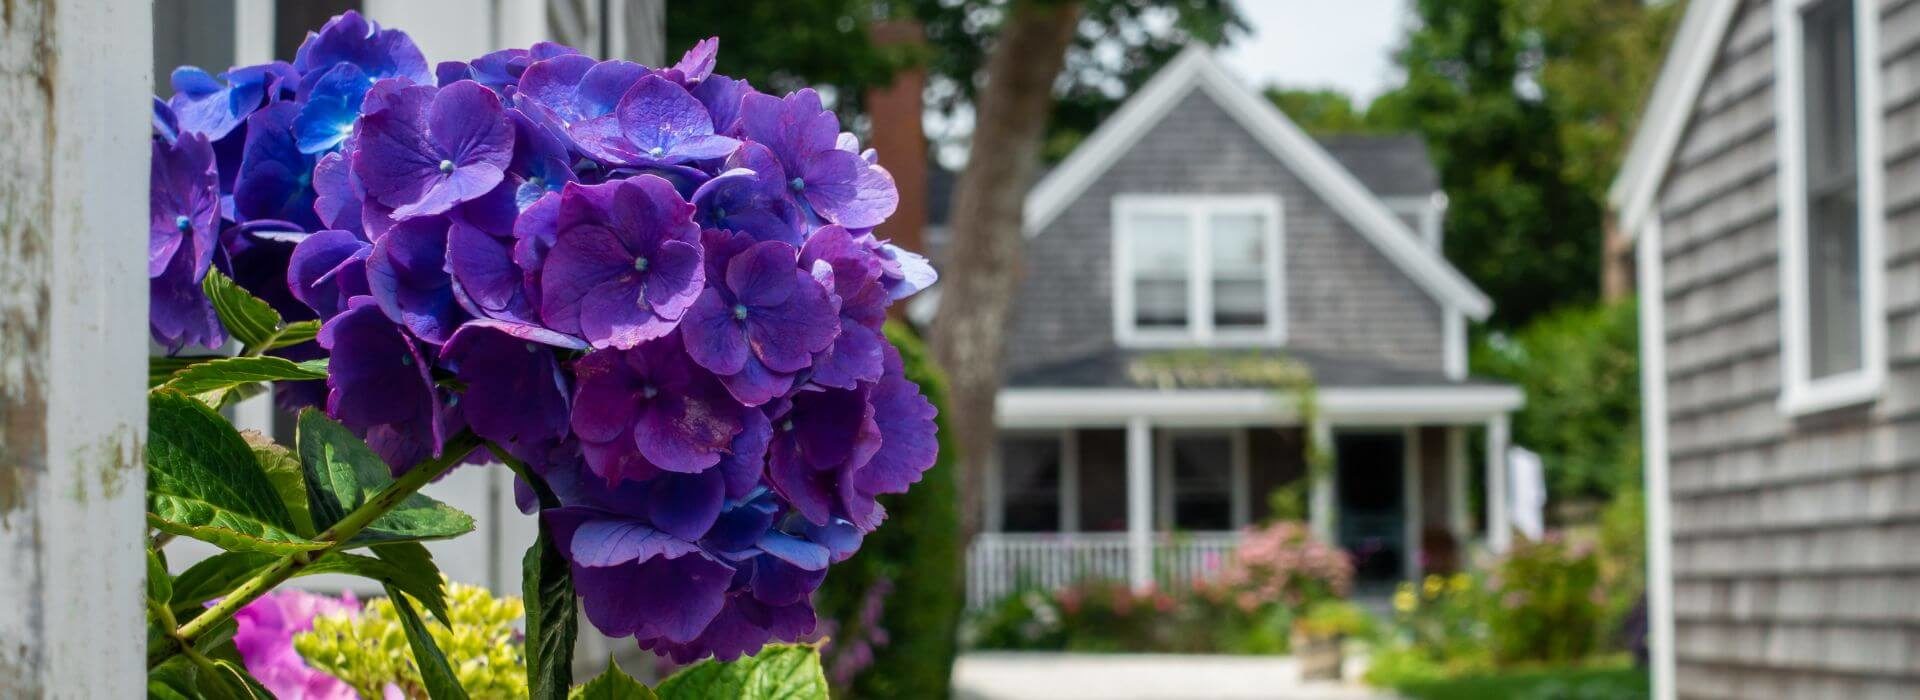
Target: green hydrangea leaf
[(161, 368), (284, 472), (410, 567), (292, 334), (435, 673), (343, 473), (778, 672), (212, 381), (159, 582), (176, 679), (613, 684), (553, 616), (203, 481), (240, 684), (248, 319)]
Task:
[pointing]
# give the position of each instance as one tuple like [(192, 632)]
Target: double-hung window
[(1198, 270), (1831, 217)]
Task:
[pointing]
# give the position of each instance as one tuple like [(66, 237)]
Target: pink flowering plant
[(654, 293), (1283, 563)]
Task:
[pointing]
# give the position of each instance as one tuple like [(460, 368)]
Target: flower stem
[(336, 538)]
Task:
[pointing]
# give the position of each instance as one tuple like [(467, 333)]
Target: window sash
[(1219, 304), (1831, 229)]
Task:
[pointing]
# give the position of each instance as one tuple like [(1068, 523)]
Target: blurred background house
[(1771, 190), (1200, 267)]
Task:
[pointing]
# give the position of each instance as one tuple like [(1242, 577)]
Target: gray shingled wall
[(1344, 297), (1796, 540)]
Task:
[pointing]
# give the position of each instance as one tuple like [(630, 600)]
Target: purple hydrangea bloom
[(515, 395), (840, 186), (327, 269), (626, 262), (351, 39), (211, 109), (379, 384), (408, 277), (183, 217), (650, 409), (751, 198), (765, 311), (276, 178), (421, 150), (854, 276), (636, 581), (657, 123), (657, 288)]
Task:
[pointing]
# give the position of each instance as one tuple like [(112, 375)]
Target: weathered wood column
[(74, 78)]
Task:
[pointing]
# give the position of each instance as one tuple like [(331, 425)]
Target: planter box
[(1319, 656)]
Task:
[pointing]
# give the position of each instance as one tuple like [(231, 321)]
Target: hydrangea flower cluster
[(657, 287)]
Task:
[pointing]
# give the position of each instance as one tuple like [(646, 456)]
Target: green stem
[(336, 537)]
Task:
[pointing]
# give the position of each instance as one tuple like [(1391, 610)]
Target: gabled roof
[(1196, 69), (1675, 91)]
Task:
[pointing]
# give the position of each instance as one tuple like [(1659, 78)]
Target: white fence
[(999, 563)]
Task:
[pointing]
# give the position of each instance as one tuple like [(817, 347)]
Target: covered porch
[(1152, 485)]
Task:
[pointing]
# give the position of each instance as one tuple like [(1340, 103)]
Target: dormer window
[(1198, 270)]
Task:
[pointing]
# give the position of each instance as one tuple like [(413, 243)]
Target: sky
[(1345, 44)]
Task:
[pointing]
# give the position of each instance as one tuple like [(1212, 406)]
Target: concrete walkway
[(1054, 676)]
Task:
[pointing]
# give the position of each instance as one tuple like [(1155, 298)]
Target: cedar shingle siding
[(1796, 541), (1343, 296)]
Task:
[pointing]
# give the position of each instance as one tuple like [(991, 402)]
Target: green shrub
[(1108, 616), (1550, 605), (892, 611), (1601, 683), (1580, 369)]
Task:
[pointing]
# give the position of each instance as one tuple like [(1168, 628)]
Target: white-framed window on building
[(1831, 213), (1198, 270)]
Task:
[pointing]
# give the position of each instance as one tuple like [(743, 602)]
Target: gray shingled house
[(1773, 195), (1196, 269)]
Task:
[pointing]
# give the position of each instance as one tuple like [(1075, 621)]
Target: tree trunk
[(983, 268), (73, 343)]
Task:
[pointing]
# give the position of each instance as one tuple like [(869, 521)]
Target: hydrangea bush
[(653, 293)]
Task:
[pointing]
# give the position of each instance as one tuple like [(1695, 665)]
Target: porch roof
[(1223, 368)]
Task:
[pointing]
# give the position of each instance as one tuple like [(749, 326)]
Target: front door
[(1372, 515)]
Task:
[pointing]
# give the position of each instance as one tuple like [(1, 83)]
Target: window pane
[(1202, 483), (1030, 483), (1159, 245), (1833, 216), (1239, 270), (1833, 279)]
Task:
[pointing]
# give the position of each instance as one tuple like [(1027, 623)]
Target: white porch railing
[(999, 563)]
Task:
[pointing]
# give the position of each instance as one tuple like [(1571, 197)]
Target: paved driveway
[(1048, 676)]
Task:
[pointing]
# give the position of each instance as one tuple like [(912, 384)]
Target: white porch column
[(1458, 517), (1499, 531), (1139, 502), (75, 76), (1320, 495)]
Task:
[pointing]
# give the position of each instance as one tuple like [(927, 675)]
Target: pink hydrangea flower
[(265, 640)]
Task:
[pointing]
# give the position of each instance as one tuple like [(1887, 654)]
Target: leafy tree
[(1117, 46), (1526, 105), (784, 45), (1323, 111)]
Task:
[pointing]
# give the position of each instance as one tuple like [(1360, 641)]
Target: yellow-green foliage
[(369, 651)]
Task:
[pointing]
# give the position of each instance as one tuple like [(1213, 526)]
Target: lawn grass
[(1613, 683)]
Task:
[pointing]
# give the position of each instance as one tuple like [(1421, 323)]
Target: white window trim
[(1200, 331), (1800, 393)]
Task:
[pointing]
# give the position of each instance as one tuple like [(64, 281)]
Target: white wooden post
[(1653, 434), (1499, 531), (1241, 506), (1069, 481), (1320, 506), (1139, 502), (1410, 500), (1458, 515), (75, 78)]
